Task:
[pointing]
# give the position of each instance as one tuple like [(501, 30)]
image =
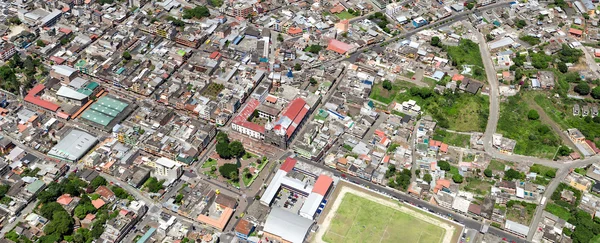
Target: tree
[(222, 137), (582, 88), (533, 115), (470, 5), (391, 171), (313, 81), (154, 185), (562, 67), (427, 178), (178, 198), (417, 172), (564, 151), (489, 37), (586, 15), (223, 150), (596, 92), (512, 174), (435, 41), (126, 56), (572, 77), (457, 178), (551, 173), (297, 67), (197, 12), (387, 85), (488, 172), (40, 43), (237, 149), (444, 165), (226, 170), (521, 23), (279, 37), (98, 181)]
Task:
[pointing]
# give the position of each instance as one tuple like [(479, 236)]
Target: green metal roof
[(85, 91), (104, 109), (92, 85), (97, 117), (35, 186), (112, 103)]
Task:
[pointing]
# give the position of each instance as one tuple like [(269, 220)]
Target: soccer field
[(359, 219)]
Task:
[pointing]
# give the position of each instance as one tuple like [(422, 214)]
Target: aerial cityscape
[(291, 121)]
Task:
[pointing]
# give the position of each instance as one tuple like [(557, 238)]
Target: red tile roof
[(98, 203), (295, 111), (244, 227), (593, 146), (57, 60), (338, 46), (271, 99), (215, 55), (337, 9), (444, 148), (289, 164), (32, 98), (322, 185), (458, 77), (64, 199), (105, 192), (575, 31), (294, 30), (242, 118)]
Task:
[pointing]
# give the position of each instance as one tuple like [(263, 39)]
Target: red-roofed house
[(338, 46), (440, 184), (286, 126), (98, 203), (458, 77), (64, 199), (105, 193), (242, 125), (337, 9), (33, 97), (444, 148), (294, 31), (575, 32)]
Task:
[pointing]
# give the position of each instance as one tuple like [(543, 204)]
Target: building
[(165, 167), (283, 130), (63, 73), (106, 112), (546, 79), (33, 97), (284, 226), (338, 46), (51, 18), (73, 146), (318, 193), (243, 230), (516, 228), (7, 50), (575, 135), (419, 22), (219, 212), (242, 10), (393, 8), (242, 124)]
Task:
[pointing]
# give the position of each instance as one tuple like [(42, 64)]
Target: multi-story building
[(242, 10), (283, 130), (7, 50)]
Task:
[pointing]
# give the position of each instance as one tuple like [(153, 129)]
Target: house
[(470, 85), (105, 193), (243, 230), (576, 110), (419, 22), (546, 79), (575, 135), (579, 182), (567, 196), (575, 32), (508, 187)]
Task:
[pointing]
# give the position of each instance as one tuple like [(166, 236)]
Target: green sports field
[(362, 220)]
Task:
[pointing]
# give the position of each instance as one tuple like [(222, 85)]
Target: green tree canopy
[(582, 88), (197, 12), (533, 115)]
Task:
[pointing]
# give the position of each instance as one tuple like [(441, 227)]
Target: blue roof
[(290, 74), (263, 59), (237, 40), (367, 82), (147, 235)]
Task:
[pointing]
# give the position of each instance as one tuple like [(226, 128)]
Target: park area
[(358, 215), (533, 137), (467, 53)]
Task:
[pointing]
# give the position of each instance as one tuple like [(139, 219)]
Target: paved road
[(468, 222), (560, 176)]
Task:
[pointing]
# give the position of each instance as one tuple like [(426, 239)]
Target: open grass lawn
[(380, 94), (344, 15), (429, 81), (458, 112), (454, 139), (559, 211), (362, 220), (467, 53), (477, 185), (561, 112), (541, 170), (408, 74), (210, 162), (496, 165), (533, 138)]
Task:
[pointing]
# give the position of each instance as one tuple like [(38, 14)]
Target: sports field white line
[(449, 230)]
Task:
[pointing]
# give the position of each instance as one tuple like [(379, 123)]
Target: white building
[(164, 167), (393, 8)]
